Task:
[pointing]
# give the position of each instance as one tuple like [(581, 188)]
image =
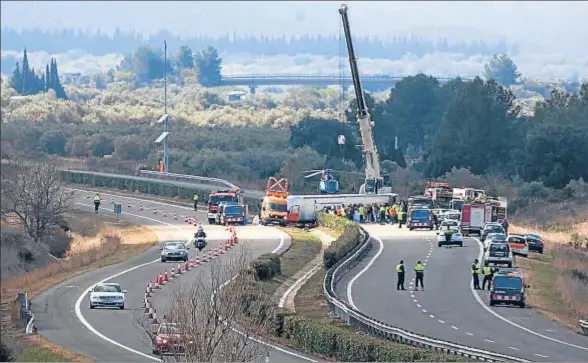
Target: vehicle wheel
[(283, 224), (509, 264), (155, 351), (122, 307), (492, 303), (186, 259), (410, 229), (439, 244), (541, 251), (163, 260), (522, 305), (430, 229), (460, 244), (525, 256), (91, 306)]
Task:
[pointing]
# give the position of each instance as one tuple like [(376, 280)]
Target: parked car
[(494, 237), (508, 287), (534, 241), (518, 245), (107, 295), (491, 228), (499, 253)]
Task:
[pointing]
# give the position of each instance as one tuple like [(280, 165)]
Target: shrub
[(266, 266), (349, 239), (58, 242)]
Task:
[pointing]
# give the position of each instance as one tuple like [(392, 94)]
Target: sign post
[(117, 210)]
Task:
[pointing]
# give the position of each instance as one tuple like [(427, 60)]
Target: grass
[(305, 247), (113, 246), (559, 277)]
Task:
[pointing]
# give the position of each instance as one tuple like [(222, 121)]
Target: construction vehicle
[(374, 181), (215, 198), (440, 193), (274, 205)]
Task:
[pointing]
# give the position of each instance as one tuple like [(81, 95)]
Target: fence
[(384, 331), (26, 315)]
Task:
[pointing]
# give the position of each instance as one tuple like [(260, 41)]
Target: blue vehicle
[(328, 184)]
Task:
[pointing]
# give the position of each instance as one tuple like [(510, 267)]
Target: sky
[(539, 26)]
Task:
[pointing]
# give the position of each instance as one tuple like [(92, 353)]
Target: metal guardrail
[(584, 326), (26, 315), (187, 178), (382, 330)]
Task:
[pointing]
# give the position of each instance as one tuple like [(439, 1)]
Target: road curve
[(448, 309), (62, 314)]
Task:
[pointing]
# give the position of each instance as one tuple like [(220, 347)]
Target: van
[(518, 244), (508, 287), (420, 218)]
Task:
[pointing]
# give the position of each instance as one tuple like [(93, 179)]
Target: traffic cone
[(210, 256), (165, 277), (191, 262), (149, 312), (236, 239), (172, 274), (197, 260), (186, 266), (176, 216), (141, 207), (154, 320), (223, 249), (147, 307), (129, 206), (179, 269), (187, 220)]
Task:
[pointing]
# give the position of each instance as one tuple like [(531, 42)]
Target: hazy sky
[(558, 27)]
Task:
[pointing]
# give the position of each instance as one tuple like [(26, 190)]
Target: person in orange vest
[(392, 215)]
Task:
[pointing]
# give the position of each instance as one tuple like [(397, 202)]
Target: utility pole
[(165, 118)]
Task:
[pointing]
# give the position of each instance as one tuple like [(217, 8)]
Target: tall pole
[(165, 123)]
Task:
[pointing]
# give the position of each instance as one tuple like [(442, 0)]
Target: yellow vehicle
[(274, 206)]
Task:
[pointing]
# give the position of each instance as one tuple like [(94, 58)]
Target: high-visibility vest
[(399, 268), (475, 268), (195, 197), (382, 209), (400, 215), (342, 212), (419, 267), (361, 211), (392, 211), (97, 198), (487, 270)]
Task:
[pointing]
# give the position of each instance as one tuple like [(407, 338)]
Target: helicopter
[(328, 184)]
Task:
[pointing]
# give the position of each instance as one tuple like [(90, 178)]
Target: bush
[(349, 238), (266, 266), (58, 242)]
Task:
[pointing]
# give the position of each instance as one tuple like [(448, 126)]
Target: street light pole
[(165, 123)]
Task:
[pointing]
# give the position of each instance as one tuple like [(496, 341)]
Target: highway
[(62, 313), (449, 308)]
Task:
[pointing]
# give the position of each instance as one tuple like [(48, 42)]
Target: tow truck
[(274, 206), (215, 198)]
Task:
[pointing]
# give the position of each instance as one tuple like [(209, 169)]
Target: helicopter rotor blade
[(313, 174)]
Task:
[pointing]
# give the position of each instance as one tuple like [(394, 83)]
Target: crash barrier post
[(584, 326)]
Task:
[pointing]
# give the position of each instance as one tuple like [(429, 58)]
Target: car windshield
[(234, 209), (494, 228), (107, 288), (519, 240), (533, 236), (507, 282), (449, 222), (216, 199), (278, 207), (174, 246), (420, 214), (498, 237)]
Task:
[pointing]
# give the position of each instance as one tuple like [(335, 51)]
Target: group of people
[(419, 270), (373, 213), (487, 272)]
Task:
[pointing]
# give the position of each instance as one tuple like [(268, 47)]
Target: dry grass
[(559, 277), (109, 246)]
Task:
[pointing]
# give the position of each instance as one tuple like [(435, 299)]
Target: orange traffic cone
[(179, 269), (186, 266), (197, 260), (173, 273), (165, 277)]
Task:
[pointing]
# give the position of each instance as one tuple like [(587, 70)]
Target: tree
[(209, 66), (33, 192), (185, 58), (145, 63), (53, 80), (501, 69), (16, 79), (218, 315)]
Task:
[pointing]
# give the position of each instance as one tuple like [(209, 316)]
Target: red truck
[(215, 198), (475, 215)]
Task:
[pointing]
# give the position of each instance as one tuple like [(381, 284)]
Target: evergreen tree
[(209, 66), (501, 69), (25, 84), (47, 80), (55, 83), (16, 79)]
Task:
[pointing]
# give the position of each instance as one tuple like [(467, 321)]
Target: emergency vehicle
[(231, 213), (274, 206), (508, 287), (215, 198), (420, 218), (440, 193)]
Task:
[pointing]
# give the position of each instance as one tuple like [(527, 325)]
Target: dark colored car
[(491, 228), (534, 241), (508, 287)]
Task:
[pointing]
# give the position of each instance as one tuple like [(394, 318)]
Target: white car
[(494, 237), (107, 295), (455, 238), (498, 253), (447, 222), (452, 214)]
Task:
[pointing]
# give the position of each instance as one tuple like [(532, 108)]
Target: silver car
[(174, 251), (107, 295)]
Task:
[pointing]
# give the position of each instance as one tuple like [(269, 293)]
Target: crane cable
[(341, 81)]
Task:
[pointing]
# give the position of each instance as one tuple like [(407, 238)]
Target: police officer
[(475, 273), (382, 214), (400, 216), (488, 275), (400, 276), (97, 200), (419, 269), (195, 198)]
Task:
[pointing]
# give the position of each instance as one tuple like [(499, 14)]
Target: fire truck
[(215, 198), (481, 211), (440, 193)]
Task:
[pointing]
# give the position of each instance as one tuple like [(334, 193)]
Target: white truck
[(302, 209), (473, 217)]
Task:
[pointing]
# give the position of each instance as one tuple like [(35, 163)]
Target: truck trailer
[(302, 209)]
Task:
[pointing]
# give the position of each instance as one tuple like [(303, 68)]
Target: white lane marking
[(541, 355), (454, 327), (432, 316), (489, 341), (424, 311), (298, 282), (470, 334), (282, 240), (418, 305), (513, 348), (441, 321), (83, 320), (350, 285), (483, 305), (415, 300)]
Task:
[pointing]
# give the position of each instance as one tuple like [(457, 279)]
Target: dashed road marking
[(454, 327), (513, 348), (431, 316), (415, 300), (470, 334), (418, 305), (441, 321), (424, 311), (489, 341), (541, 355)]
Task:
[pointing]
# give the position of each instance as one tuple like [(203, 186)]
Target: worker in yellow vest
[(361, 213), (400, 276), (195, 198), (400, 216), (97, 200), (488, 275), (419, 269), (476, 273)]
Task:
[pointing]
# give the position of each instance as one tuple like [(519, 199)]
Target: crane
[(373, 178)]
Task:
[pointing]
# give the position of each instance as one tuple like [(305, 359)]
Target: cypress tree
[(55, 82), (47, 79), (16, 79), (25, 84)]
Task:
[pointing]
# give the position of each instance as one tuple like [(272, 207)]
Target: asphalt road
[(62, 313), (448, 309)]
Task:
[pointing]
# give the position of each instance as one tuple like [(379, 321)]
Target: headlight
[(92, 297)]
